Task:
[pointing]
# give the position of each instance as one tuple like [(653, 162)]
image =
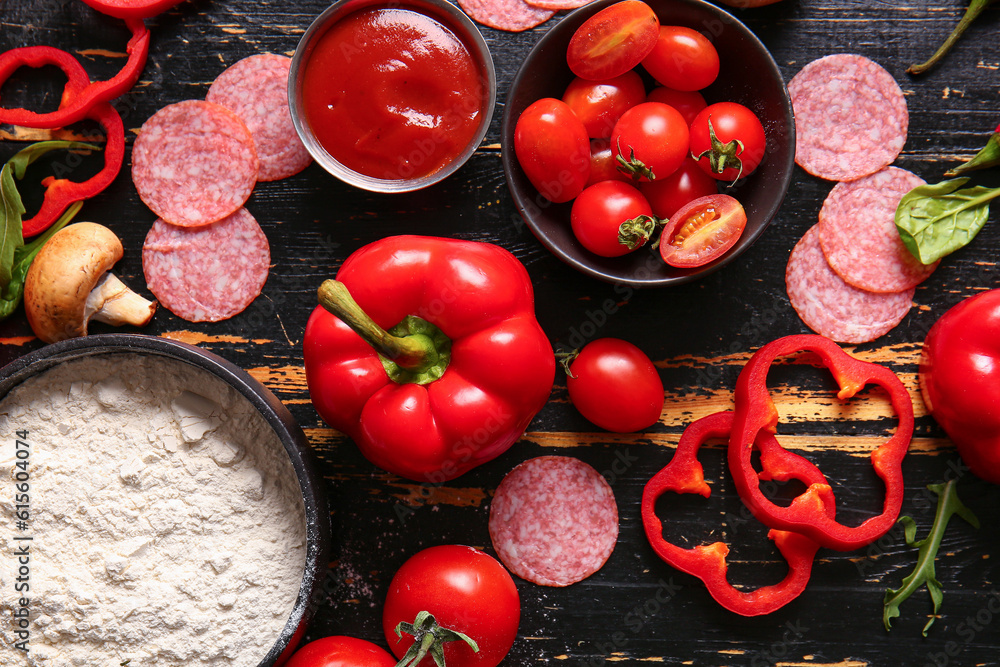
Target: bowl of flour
[(158, 507)]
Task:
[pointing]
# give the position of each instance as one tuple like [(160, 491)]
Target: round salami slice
[(831, 307), (509, 15), (857, 231), (194, 163), (850, 117), (207, 273), (553, 520), (256, 90)]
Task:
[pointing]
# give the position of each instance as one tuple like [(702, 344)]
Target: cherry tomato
[(667, 195), (603, 165), (466, 591), (687, 102), (613, 41), (737, 146), (341, 651), (702, 231), (615, 386), (653, 138), (553, 149), (682, 58), (611, 218), (599, 104)]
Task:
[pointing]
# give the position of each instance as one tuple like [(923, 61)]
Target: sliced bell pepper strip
[(755, 413), (684, 474), (132, 9), (60, 192), (437, 364), (76, 100)]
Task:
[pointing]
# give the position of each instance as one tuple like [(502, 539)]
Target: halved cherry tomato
[(652, 140), (667, 195), (611, 218), (682, 58), (702, 231), (599, 104), (603, 165), (728, 140), (339, 651), (553, 149), (614, 385), (613, 41), (688, 102)]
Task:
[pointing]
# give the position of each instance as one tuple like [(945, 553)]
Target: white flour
[(167, 526)]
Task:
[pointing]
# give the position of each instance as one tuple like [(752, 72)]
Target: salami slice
[(831, 307), (256, 90), (194, 163), (851, 118), (509, 15), (857, 231), (207, 273), (553, 520)]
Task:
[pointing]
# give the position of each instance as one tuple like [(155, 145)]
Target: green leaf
[(11, 205), (12, 293), (936, 220), (923, 573)]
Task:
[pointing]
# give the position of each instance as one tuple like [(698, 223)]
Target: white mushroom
[(69, 284)]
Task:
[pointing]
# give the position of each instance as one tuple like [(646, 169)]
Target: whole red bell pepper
[(960, 380), (437, 364), (684, 474), (755, 412)]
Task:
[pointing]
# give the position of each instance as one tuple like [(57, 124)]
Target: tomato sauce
[(392, 93)]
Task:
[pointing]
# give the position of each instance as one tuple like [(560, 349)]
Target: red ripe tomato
[(728, 141), (341, 652), (667, 195), (611, 218), (599, 104), (615, 385), (603, 165), (687, 102), (613, 41), (682, 58), (553, 149), (652, 138), (465, 590), (702, 231)]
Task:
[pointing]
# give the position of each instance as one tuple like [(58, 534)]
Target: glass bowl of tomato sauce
[(747, 75), (392, 96)]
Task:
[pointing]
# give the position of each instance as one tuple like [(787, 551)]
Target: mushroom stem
[(112, 302)]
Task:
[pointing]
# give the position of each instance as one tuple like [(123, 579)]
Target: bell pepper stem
[(975, 8), (410, 352)]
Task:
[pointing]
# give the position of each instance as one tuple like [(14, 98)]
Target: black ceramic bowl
[(271, 409), (748, 75)]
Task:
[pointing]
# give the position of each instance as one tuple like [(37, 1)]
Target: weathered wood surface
[(637, 609)]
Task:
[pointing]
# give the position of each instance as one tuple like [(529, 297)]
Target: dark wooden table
[(636, 610)]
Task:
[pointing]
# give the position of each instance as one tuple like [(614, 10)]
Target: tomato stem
[(429, 639)]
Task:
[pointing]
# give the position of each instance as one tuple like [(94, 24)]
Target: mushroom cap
[(62, 276)]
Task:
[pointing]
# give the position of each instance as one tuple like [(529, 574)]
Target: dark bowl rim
[(509, 160), (270, 408)]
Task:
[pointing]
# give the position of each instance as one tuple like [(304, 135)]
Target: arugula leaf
[(13, 291), (11, 212), (935, 220), (948, 504)]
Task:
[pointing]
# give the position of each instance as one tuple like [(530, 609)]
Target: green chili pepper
[(975, 8)]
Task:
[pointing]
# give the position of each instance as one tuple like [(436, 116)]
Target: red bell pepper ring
[(684, 474), (76, 101), (132, 9), (755, 413), (60, 192), (462, 370)]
